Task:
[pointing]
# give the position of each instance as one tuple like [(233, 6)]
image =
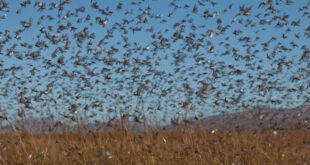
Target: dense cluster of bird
[(151, 59)]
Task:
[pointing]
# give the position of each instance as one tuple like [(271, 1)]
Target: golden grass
[(164, 147)]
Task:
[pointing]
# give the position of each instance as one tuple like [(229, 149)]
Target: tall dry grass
[(158, 147)]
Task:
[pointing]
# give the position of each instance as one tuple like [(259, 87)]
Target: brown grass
[(164, 147)]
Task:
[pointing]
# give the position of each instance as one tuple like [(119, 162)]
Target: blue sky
[(159, 23)]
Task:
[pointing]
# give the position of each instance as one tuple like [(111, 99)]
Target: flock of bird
[(181, 60)]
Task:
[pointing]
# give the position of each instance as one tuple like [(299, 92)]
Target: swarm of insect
[(132, 61)]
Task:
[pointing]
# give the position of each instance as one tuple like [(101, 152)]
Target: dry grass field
[(162, 147)]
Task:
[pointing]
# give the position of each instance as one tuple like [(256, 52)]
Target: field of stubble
[(162, 147)]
